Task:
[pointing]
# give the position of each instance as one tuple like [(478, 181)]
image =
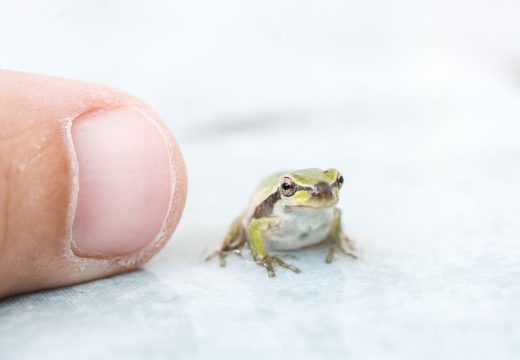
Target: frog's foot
[(345, 244), (332, 251), (222, 255), (348, 246), (268, 262)]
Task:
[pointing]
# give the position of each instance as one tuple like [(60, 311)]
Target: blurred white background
[(417, 102)]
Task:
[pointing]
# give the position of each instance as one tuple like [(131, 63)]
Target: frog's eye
[(287, 186), (340, 181)]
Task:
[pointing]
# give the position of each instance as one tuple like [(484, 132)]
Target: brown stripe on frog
[(265, 208)]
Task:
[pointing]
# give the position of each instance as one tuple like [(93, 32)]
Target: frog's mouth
[(316, 204)]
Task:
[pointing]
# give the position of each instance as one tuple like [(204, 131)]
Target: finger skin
[(38, 182)]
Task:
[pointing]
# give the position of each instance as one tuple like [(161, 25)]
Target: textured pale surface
[(423, 124)]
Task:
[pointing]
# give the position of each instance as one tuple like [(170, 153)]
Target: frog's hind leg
[(233, 242), (339, 240)]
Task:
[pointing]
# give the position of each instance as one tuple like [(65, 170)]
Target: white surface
[(416, 102)]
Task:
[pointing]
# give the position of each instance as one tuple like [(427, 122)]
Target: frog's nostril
[(322, 190)]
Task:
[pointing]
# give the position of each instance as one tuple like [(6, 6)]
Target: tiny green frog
[(289, 211)]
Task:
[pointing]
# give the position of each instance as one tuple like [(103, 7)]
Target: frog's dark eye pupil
[(340, 180), (287, 187)]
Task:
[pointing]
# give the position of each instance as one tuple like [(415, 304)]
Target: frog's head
[(311, 188)]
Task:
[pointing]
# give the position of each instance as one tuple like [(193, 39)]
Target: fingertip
[(98, 187)]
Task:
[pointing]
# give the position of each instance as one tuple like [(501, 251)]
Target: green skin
[(283, 210)]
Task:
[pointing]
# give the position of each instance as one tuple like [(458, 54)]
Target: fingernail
[(124, 181)]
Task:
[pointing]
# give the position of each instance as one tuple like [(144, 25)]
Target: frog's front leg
[(339, 239), (233, 242), (256, 231)]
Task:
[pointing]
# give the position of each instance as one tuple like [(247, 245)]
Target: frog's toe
[(222, 255), (343, 246), (348, 246), (285, 265), (269, 261), (329, 258), (268, 265), (211, 255), (222, 258), (347, 243), (352, 254)]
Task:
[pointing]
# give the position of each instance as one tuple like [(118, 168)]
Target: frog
[(288, 211)]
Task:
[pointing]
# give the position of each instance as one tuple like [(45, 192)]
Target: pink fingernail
[(124, 180)]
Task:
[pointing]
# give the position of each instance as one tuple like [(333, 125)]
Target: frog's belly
[(295, 241), (300, 231)]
